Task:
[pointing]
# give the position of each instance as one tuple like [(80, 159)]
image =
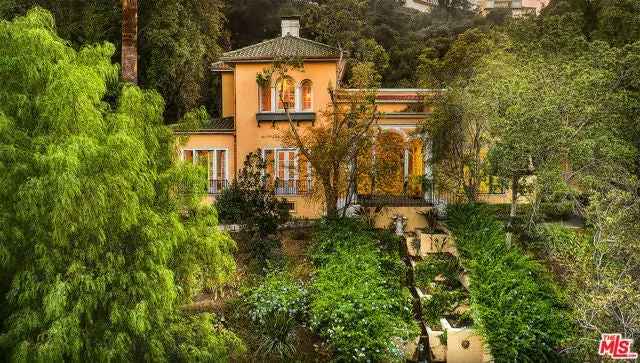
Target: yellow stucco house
[(253, 117)]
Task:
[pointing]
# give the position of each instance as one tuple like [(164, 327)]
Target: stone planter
[(462, 345), (429, 243)]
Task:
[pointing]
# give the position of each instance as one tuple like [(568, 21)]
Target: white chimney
[(290, 25)]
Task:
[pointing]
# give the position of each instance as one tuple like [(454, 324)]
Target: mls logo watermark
[(616, 347)]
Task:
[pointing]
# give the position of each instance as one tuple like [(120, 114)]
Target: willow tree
[(102, 234)]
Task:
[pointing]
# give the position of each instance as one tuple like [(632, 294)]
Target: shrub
[(358, 309), (548, 211), (277, 294), (440, 302), (251, 203), (389, 242), (277, 306), (330, 236), (199, 338), (437, 264), (444, 295), (516, 306), (394, 270)]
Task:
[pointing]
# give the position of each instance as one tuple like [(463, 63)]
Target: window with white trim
[(217, 163), (286, 94), (306, 97)]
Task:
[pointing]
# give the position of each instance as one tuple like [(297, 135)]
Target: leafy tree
[(251, 202), (102, 234), (459, 62), (614, 21), (549, 113), (344, 24), (459, 124), (248, 22), (179, 41), (78, 22)]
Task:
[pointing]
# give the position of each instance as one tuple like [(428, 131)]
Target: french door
[(289, 171), (217, 166)]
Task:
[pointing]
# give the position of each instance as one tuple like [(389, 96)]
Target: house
[(421, 5), (253, 117), (516, 7)]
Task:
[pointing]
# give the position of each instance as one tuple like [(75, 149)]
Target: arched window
[(307, 104), (286, 92), (265, 98)]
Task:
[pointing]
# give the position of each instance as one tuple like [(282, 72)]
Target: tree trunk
[(515, 186), (331, 198), (130, 40)]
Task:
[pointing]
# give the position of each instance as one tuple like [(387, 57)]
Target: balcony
[(216, 186), (293, 187), (414, 194), (384, 200), (274, 117)]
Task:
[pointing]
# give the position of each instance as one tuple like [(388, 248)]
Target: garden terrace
[(441, 293), (517, 307), (359, 303)]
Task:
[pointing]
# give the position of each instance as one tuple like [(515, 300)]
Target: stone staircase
[(446, 344)]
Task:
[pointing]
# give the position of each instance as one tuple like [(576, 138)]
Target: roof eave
[(270, 59), (203, 131)]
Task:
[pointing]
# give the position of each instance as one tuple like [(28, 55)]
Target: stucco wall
[(465, 346), (228, 94), (250, 136)]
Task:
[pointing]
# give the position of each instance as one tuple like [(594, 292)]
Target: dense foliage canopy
[(178, 41), (102, 234)]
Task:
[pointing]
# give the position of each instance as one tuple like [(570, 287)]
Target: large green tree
[(614, 21), (102, 234), (178, 41), (560, 114), (79, 22)]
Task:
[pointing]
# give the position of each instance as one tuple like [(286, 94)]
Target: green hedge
[(516, 306), (358, 304), (548, 211)]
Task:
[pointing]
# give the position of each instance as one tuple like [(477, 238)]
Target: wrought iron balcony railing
[(425, 194), (216, 186), (293, 186)]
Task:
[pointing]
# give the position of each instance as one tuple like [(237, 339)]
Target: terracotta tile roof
[(396, 95), (221, 67), (283, 47), (224, 125), (400, 97)]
